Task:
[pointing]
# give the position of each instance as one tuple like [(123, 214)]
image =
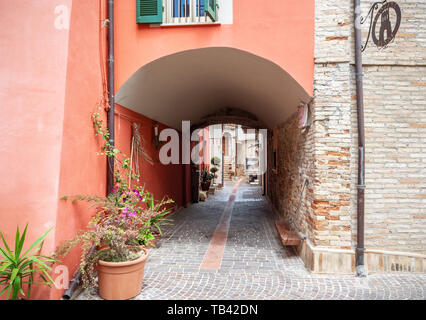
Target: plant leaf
[(17, 238), (16, 287), (35, 259), (30, 282), (1, 292), (8, 291), (5, 266), (48, 276), (14, 273), (36, 242), (32, 270), (6, 256), (21, 244), (5, 243)]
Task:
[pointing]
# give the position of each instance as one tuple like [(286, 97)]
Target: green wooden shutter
[(211, 9), (149, 11)]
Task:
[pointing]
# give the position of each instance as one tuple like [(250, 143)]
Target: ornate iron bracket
[(386, 28)]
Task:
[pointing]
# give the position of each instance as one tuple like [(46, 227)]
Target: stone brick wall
[(332, 125), (395, 127), (326, 154), (294, 165), (322, 153), (395, 121), (332, 136)]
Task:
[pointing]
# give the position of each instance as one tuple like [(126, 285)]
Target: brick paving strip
[(213, 258)]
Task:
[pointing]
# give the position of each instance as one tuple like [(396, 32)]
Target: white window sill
[(183, 24)]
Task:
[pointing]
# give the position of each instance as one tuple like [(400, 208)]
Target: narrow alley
[(191, 260)]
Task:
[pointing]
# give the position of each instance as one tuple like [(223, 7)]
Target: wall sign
[(389, 23), (388, 28)]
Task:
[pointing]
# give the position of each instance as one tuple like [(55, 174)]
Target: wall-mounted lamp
[(156, 136)]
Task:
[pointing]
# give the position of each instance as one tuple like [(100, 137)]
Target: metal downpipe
[(359, 253), (74, 283), (111, 97)]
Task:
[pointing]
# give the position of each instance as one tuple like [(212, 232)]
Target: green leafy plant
[(116, 229), (215, 161), (124, 220), (213, 170), (18, 269), (206, 176), (122, 161)]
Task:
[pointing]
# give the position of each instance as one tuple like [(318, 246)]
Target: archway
[(197, 84)]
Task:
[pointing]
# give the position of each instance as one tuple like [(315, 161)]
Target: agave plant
[(17, 269)]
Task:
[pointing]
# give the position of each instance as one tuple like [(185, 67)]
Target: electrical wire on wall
[(102, 25), (137, 150)]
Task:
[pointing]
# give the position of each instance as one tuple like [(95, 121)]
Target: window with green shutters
[(149, 11), (177, 12), (211, 8)]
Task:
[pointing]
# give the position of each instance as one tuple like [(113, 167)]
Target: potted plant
[(18, 268), (206, 179), (213, 170), (215, 161), (122, 228)]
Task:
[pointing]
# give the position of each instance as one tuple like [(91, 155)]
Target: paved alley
[(227, 248)]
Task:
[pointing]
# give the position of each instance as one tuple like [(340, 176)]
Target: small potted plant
[(206, 179), (121, 229), (215, 161), (213, 170)]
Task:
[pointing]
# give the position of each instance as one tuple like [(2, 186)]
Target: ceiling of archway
[(193, 84)]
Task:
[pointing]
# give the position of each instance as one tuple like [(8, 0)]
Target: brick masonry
[(326, 153), (294, 165), (395, 129)]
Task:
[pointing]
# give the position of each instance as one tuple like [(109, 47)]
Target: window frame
[(192, 19)]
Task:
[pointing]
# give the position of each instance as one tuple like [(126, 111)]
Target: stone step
[(288, 236)]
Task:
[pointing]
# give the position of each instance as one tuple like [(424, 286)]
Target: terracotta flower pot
[(121, 280), (153, 242), (205, 185)]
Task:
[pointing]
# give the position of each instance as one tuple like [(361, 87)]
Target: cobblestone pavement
[(255, 265)]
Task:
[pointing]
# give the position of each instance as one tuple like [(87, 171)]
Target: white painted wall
[(226, 11)]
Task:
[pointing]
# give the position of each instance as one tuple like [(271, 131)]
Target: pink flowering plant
[(118, 231), (125, 220)]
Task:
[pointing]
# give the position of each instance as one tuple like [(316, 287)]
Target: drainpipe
[(110, 116), (359, 253), (74, 283)]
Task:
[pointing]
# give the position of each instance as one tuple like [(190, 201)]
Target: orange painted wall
[(50, 83), (281, 31), (82, 171), (161, 180), (33, 66)]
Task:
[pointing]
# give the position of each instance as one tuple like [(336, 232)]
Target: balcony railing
[(178, 12)]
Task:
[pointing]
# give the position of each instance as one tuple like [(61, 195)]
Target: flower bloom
[(127, 212)]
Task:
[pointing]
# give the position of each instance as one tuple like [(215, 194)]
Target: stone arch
[(213, 85)]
